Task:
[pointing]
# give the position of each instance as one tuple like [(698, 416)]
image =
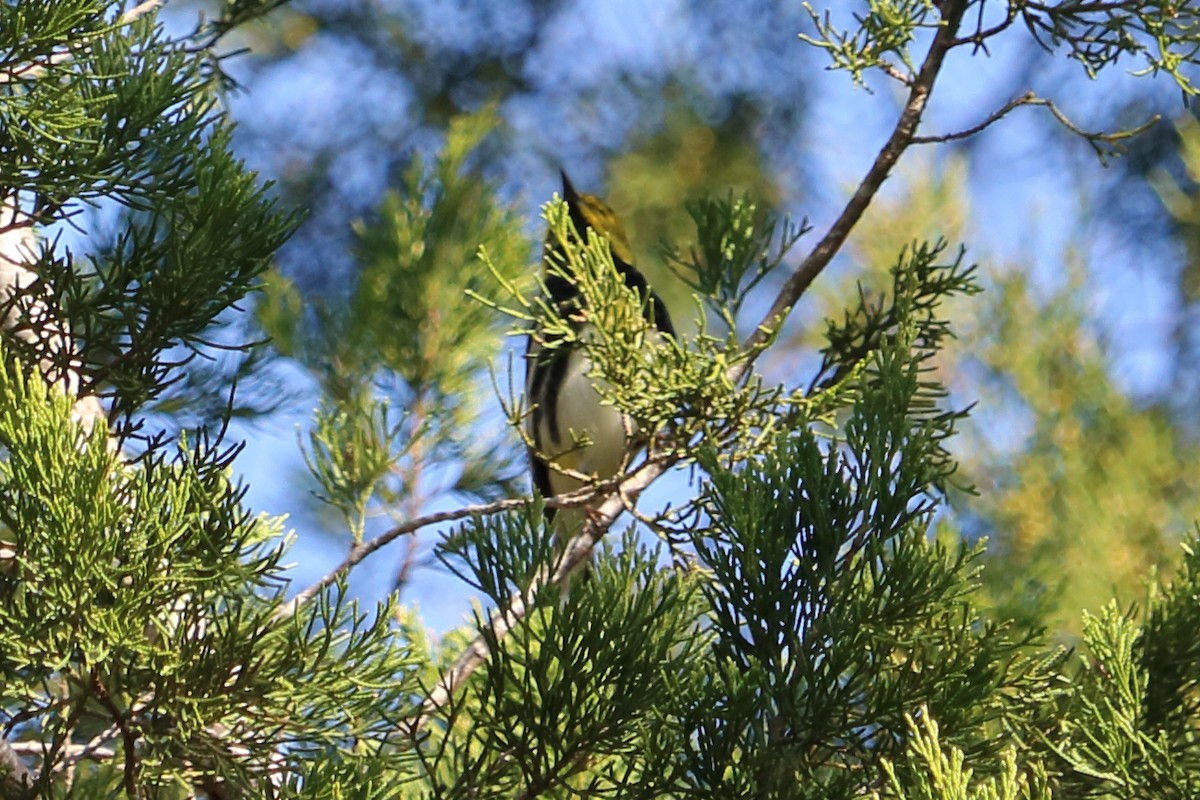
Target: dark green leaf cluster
[(118, 116), (93, 108), (921, 282), (834, 614), (572, 701), (1169, 651), (142, 600)]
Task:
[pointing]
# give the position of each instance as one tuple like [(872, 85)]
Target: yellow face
[(589, 211), (603, 220)]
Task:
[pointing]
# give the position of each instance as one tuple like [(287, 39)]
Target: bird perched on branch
[(570, 426)]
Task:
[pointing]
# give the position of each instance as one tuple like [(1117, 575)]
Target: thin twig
[(1032, 99), (981, 34), (364, 549), (98, 748), (1029, 98), (892, 71), (124, 723)]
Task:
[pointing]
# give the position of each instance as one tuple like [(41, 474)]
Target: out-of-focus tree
[(1082, 492)]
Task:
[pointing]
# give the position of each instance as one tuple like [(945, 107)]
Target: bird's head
[(589, 211)]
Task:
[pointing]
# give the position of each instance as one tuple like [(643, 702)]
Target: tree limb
[(577, 553), (899, 140)]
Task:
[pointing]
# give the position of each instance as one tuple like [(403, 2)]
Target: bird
[(569, 424)]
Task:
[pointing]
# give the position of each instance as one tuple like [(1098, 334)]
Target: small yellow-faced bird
[(569, 424)]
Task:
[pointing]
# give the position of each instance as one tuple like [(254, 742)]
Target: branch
[(901, 137), (981, 35), (1029, 98), (577, 553), (360, 551), (141, 8), (894, 72), (1094, 138), (122, 720)]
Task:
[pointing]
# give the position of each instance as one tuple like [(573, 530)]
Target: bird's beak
[(569, 193)]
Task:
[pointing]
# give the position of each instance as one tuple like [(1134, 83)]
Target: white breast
[(582, 415)]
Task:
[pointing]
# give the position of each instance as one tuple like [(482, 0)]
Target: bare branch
[(981, 35), (1094, 138), (899, 140), (360, 551), (892, 71), (1029, 98)]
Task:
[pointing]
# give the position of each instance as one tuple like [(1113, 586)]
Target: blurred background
[(409, 131)]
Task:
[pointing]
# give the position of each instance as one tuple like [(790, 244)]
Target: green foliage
[(937, 772), (144, 645), (101, 113), (96, 109), (1110, 744), (578, 691), (885, 31), (1164, 37), (144, 597), (835, 615), (920, 284), (735, 240), (403, 360), (349, 454), (1168, 651)]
